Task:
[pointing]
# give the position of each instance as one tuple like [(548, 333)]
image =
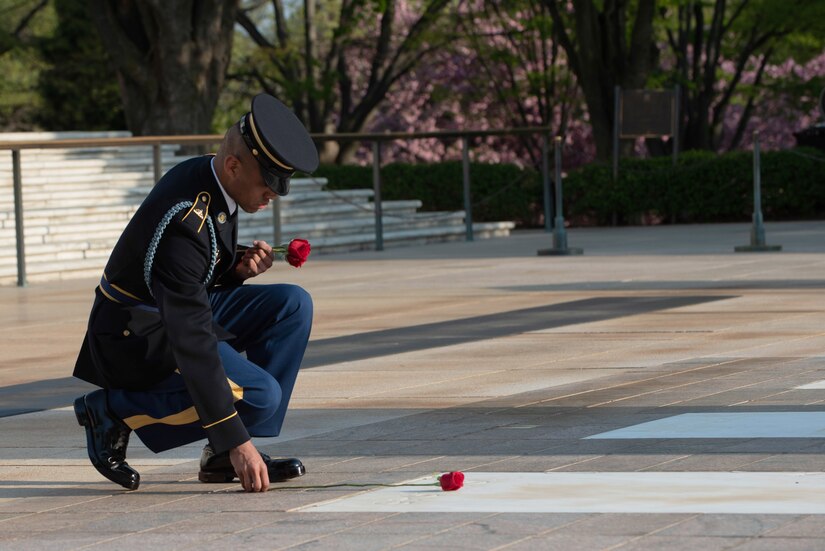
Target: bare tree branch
[(24, 22), (749, 106)]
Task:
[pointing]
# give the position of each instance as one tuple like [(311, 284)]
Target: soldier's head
[(263, 150)]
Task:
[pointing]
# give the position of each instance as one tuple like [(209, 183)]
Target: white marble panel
[(592, 492), (816, 385), (760, 424)]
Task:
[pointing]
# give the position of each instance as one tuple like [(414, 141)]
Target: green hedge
[(702, 187), (499, 191)]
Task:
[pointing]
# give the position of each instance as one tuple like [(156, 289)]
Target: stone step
[(348, 227), (102, 212), (35, 233), (338, 209), (33, 169), (44, 216), (42, 255), (301, 197), (46, 271), (80, 198), (40, 188), (90, 262), (70, 201), (58, 185), (106, 231), (305, 185), (77, 202), (327, 212), (47, 235), (366, 241), (60, 181)]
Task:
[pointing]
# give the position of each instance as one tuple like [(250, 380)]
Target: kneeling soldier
[(182, 348)]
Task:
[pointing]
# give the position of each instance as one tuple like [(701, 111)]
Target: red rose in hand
[(451, 481), (297, 252)]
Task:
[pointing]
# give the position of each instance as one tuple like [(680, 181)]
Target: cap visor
[(278, 184)]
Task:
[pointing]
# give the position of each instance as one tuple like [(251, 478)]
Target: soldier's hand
[(250, 467), (256, 260)]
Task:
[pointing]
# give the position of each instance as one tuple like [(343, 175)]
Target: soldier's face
[(251, 192)]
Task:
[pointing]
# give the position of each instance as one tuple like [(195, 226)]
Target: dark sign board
[(646, 113)]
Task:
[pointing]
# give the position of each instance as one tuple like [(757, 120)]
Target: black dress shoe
[(106, 439), (216, 467)]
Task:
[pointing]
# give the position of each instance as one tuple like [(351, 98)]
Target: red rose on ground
[(451, 481), (297, 252)]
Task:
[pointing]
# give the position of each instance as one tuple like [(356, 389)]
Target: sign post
[(645, 114)]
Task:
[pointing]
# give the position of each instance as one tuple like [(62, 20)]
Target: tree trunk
[(171, 59), (602, 58)]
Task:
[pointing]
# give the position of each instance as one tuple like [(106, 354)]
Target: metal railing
[(377, 139)]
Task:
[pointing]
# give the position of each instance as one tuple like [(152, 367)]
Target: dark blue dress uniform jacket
[(135, 346)]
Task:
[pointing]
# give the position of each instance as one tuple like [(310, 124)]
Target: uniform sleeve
[(229, 278), (178, 271)]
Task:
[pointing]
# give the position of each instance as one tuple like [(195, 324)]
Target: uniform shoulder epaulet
[(198, 212)]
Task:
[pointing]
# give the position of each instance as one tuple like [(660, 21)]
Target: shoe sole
[(219, 477), (85, 420)]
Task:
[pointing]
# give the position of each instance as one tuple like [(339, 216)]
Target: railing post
[(156, 162), (376, 187), (617, 107), (545, 180), (277, 238), (468, 205), (758, 228), (560, 247), (677, 103), (18, 218)]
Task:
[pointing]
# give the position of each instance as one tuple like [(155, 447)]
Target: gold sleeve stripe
[(127, 293), (110, 297), (258, 139), (221, 421)]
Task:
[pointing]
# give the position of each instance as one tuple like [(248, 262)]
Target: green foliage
[(702, 187), (18, 100), (79, 90), (22, 24), (803, 22), (499, 191)]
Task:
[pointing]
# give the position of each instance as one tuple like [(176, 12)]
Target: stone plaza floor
[(658, 392)]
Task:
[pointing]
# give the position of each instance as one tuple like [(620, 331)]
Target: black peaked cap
[(284, 143)]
